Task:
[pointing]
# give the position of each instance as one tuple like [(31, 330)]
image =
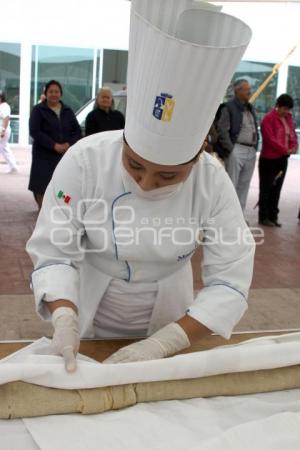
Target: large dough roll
[(19, 399)]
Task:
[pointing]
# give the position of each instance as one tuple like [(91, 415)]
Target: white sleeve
[(55, 245), (5, 110), (227, 267)]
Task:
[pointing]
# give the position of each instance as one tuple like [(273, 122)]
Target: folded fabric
[(48, 370), (47, 389)]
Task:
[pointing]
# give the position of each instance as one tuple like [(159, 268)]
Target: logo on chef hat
[(66, 197), (163, 107)]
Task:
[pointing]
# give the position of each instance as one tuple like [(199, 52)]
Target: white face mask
[(155, 194)]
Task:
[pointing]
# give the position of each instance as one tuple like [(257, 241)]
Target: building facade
[(84, 47)]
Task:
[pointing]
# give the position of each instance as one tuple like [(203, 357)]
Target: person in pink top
[(279, 140)]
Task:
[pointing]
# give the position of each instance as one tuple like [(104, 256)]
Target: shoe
[(266, 223), (277, 224), (12, 171)]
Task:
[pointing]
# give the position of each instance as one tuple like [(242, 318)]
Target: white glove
[(167, 341), (66, 338)]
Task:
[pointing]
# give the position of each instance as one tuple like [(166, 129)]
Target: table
[(173, 424)]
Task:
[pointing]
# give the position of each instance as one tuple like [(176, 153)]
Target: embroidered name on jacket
[(164, 107), (182, 257)]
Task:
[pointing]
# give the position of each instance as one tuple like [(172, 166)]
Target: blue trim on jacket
[(113, 233), (230, 287)]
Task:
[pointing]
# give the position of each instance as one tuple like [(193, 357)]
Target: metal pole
[(274, 72)]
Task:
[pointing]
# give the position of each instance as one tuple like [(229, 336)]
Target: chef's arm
[(52, 306), (181, 335), (227, 265), (193, 329), (55, 246), (167, 341), (57, 250)]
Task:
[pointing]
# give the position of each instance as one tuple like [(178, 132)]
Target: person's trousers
[(240, 166), (271, 176), (6, 152)]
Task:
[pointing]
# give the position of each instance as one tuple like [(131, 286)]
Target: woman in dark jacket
[(104, 117), (54, 128)]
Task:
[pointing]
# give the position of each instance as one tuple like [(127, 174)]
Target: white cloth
[(261, 421), (15, 436), (105, 232), (47, 370), (125, 309)]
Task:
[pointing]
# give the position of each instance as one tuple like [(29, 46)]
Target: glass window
[(115, 69), (293, 89), (256, 73), (10, 82), (10, 74), (72, 67)]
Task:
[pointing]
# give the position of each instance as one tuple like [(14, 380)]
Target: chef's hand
[(167, 341), (66, 338)]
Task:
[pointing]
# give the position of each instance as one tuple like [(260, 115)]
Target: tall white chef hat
[(181, 60)]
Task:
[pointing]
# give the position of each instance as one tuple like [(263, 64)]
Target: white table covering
[(261, 422)]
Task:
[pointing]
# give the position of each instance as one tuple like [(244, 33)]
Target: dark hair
[(285, 100), (194, 159), (50, 83), (2, 97)]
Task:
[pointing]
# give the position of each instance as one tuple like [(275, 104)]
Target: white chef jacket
[(91, 230), (125, 309)]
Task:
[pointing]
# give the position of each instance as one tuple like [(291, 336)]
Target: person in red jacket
[(279, 140)]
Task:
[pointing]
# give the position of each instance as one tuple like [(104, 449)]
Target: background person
[(54, 128), (279, 140), (104, 117), (5, 132), (238, 135)]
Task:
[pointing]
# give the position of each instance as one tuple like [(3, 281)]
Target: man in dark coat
[(238, 135)]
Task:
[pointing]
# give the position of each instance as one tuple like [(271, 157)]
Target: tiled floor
[(275, 295)]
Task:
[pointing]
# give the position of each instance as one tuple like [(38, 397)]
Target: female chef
[(125, 211)]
